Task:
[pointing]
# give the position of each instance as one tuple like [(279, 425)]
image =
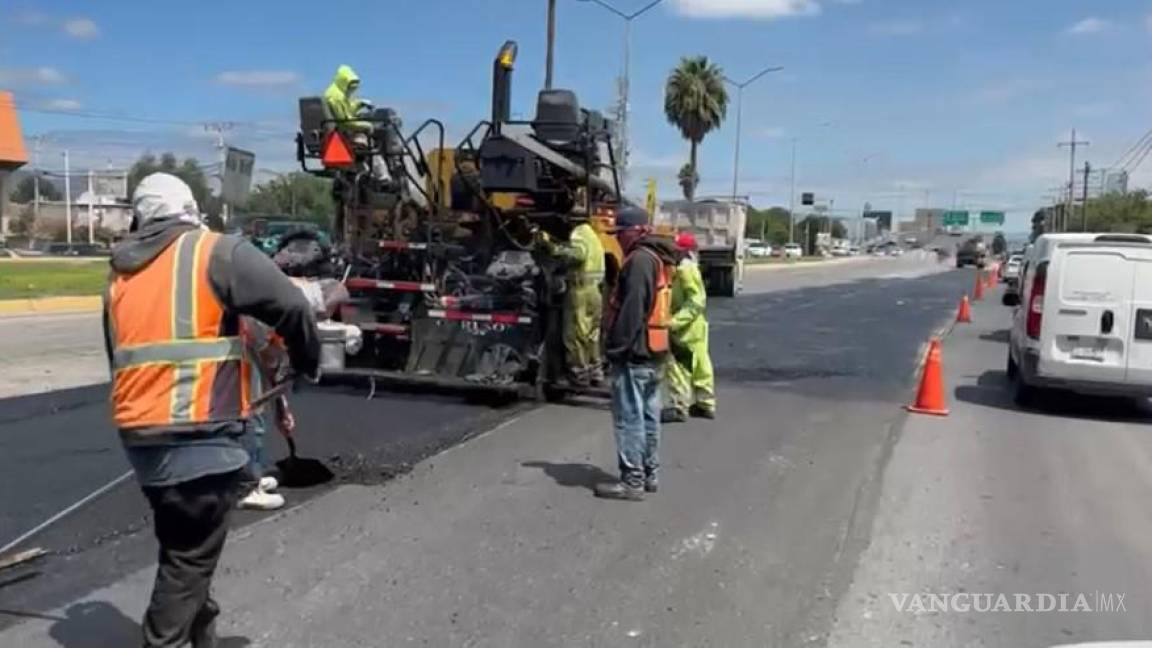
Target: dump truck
[(972, 251), (719, 229), (449, 282)]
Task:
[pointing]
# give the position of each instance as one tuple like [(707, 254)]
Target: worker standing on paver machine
[(637, 344), (584, 304), (344, 106), (689, 380), (180, 396)]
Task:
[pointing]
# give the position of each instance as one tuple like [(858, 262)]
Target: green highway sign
[(956, 218), (992, 217)]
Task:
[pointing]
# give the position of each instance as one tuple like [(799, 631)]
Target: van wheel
[(1023, 394)]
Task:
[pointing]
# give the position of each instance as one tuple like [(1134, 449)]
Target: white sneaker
[(269, 484), (262, 501)]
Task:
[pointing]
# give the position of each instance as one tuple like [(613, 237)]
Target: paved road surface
[(752, 540)]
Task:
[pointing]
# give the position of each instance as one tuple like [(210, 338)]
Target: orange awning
[(12, 151)]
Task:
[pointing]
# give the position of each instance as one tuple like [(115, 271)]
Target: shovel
[(296, 471)]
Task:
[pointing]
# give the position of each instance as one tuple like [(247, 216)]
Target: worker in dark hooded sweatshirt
[(637, 345), (180, 395)]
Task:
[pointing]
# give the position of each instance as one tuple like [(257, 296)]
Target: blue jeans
[(253, 442), (636, 420)]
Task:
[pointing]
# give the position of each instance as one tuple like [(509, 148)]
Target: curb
[(84, 304)]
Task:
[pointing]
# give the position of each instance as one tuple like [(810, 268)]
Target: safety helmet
[(686, 241)]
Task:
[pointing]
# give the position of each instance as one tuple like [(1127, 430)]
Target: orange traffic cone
[(964, 315), (992, 280), (978, 291), (930, 397)]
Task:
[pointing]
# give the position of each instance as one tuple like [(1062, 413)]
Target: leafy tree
[(688, 180), (770, 225), (297, 194), (695, 102), (189, 171), (25, 190), (999, 244), (813, 225), (1039, 219)]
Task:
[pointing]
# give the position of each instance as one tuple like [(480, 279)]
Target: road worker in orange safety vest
[(180, 386), (636, 345)]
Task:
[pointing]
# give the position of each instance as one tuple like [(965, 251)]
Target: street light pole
[(792, 198), (739, 110), (625, 77), (551, 44)]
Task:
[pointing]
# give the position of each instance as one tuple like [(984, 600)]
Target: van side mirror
[(1010, 298)]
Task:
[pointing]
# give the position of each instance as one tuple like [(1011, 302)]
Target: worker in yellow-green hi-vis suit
[(690, 383), (584, 303)]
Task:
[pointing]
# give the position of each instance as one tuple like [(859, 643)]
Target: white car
[(1083, 316), (1011, 272), (896, 251), (793, 251), (759, 251)]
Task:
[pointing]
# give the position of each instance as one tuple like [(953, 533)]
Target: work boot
[(672, 415), (697, 411), (260, 500), (620, 491), (651, 485), (203, 631)]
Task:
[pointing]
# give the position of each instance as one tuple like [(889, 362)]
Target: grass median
[(34, 279)]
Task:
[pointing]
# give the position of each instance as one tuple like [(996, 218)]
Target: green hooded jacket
[(341, 105)]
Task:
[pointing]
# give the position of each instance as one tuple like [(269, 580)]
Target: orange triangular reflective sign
[(335, 152)]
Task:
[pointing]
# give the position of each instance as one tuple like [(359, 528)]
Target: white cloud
[(760, 9), (1089, 26), (32, 76), (81, 28), (258, 78), (898, 27), (63, 104)]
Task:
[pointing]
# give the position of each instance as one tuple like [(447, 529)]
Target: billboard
[(1116, 182), (883, 219), (110, 183), (237, 177)]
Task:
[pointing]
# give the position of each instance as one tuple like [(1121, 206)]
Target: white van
[(1083, 316)]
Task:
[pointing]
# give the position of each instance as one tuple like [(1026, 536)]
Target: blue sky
[(900, 103)]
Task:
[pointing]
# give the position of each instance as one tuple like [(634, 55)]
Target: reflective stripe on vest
[(173, 361)]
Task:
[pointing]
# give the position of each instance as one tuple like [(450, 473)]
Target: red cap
[(686, 241)]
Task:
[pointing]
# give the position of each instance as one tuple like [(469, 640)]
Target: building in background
[(929, 219)]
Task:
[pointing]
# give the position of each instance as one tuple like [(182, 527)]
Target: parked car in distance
[(759, 251), (896, 251), (1083, 317), (1010, 271), (793, 251), (854, 250)]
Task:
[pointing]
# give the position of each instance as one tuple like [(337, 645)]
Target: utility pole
[(1084, 202), (739, 109), (220, 128), (1071, 144), (91, 210), (36, 177), (625, 84), (551, 44), (792, 198), (67, 201)]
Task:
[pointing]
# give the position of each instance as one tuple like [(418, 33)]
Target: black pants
[(191, 523)]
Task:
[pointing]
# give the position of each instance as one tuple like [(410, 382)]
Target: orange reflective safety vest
[(660, 315), (177, 357)]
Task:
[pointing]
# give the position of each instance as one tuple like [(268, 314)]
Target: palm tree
[(696, 102), (688, 180)]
